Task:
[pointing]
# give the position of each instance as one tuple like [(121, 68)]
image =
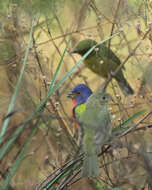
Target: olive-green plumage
[(103, 61), (96, 124)]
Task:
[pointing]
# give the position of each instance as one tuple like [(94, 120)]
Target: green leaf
[(13, 99), (55, 180), (19, 158), (8, 144), (122, 127), (38, 108)]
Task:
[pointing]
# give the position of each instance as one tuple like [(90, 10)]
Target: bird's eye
[(78, 93), (103, 97)]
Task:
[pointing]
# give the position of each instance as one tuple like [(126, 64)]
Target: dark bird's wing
[(103, 51)]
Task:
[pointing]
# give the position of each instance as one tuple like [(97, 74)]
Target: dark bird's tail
[(125, 87)]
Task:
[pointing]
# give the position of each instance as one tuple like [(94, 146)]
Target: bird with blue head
[(91, 112), (79, 94)]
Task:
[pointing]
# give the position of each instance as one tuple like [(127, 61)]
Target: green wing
[(103, 51)]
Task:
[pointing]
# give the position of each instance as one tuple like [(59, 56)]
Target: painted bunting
[(79, 94), (93, 117), (103, 62)]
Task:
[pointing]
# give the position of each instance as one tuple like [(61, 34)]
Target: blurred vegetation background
[(48, 139)]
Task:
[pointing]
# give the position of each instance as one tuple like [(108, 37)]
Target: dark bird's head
[(83, 46), (80, 93)]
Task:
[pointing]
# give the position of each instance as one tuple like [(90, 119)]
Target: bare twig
[(127, 58), (67, 34), (134, 127), (113, 25)]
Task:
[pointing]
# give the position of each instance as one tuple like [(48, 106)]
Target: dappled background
[(38, 141)]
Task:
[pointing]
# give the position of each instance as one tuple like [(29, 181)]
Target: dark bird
[(103, 62)]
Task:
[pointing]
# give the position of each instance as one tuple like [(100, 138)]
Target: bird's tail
[(125, 87), (90, 166), (90, 163)]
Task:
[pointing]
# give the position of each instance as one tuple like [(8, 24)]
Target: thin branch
[(127, 58), (134, 127), (67, 34), (113, 25)]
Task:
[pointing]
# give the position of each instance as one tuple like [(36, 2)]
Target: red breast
[(73, 112)]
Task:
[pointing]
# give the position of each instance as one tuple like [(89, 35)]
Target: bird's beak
[(72, 94), (73, 51)]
